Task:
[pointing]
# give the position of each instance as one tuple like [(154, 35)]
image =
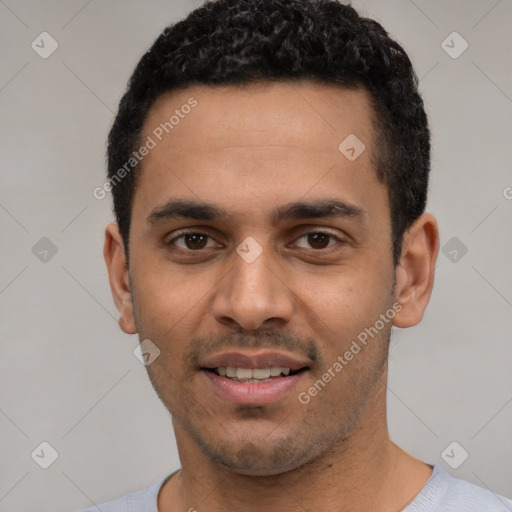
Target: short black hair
[(226, 42)]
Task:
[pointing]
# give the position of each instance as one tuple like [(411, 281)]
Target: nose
[(253, 295)]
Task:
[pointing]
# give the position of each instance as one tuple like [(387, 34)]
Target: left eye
[(193, 241), (318, 240)]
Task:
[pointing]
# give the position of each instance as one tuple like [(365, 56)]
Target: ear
[(114, 254), (415, 271)]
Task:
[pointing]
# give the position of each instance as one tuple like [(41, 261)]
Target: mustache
[(268, 338)]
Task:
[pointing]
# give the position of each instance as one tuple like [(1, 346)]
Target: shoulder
[(144, 500), (444, 493)]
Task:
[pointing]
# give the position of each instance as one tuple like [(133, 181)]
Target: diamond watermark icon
[(454, 455), (146, 352), (454, 249), (249, 249), (44, 250), (44, 455), (44, 45), (454, 45), (351, 147)]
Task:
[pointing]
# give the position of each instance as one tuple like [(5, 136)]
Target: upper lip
[(252, 360)]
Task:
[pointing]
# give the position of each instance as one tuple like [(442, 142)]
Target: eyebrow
[(186, 209), (326, 208)]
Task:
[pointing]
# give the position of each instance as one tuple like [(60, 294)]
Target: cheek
[(170, 301), (166, 293), (342, 313), (344, 296)]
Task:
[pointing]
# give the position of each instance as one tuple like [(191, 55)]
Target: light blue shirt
[(441, 493)]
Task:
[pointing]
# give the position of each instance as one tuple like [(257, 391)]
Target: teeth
[(252, 375), (261, 373), (243, 373)]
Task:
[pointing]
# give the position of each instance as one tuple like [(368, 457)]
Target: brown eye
[(193, 241), (317, 240)]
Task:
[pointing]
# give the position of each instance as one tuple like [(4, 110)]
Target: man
[(269, 168)]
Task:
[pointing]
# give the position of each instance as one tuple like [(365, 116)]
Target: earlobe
[(415, 271), (119, 278)]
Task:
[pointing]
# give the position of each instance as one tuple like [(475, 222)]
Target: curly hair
[(242, 41)]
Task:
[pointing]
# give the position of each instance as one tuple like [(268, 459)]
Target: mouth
[(253, 375), (253, 379)]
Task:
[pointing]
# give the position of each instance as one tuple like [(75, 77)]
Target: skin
[(250, 150)]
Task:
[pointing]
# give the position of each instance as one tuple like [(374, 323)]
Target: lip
[(252, 394), (252, 360)]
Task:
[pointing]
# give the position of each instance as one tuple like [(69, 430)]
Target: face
[(257, 244)]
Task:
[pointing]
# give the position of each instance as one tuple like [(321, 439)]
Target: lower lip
[(255, 394)]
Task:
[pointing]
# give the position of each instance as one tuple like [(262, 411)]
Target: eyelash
[(327, 249)]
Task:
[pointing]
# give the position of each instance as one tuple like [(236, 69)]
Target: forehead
[(305, 114), (263, 141)]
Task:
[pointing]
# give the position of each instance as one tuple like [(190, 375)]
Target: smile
[(253, 378), (252, 375)]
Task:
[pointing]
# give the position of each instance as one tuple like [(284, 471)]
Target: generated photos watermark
[(151, 142), (304, 397)]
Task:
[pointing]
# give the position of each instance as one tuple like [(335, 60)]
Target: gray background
[(68, 374)]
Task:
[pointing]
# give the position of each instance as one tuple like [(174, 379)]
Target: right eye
[(192, 241)]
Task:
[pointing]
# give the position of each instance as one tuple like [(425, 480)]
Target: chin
[(251, 459)]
